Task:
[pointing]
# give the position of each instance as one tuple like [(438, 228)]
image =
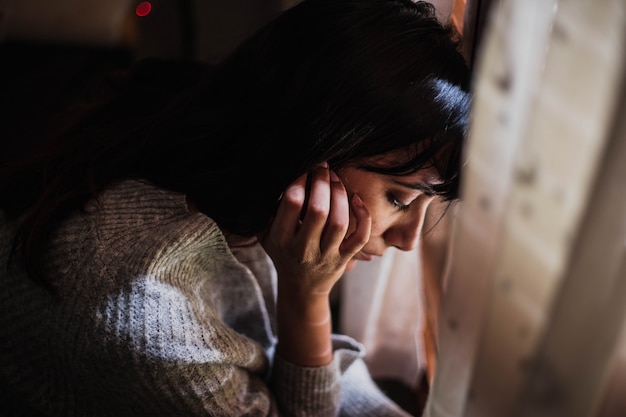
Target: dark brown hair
[(328, 80)]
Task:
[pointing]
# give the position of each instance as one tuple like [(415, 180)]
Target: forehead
[(429, 174)]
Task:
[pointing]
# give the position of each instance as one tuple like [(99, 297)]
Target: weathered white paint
[(535, 296)]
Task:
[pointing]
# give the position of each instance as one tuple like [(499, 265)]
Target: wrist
[(304, 330), (311, 308)]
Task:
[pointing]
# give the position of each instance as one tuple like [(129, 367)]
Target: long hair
[(327, 80)]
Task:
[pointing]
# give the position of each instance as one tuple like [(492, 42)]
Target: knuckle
[(337, 227), (318, 211), (293, 199)]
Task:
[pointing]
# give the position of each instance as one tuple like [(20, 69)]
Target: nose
[(405, 233)]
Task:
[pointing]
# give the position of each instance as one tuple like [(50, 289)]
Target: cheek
[(381, 212), (372, 191), (381, 219), (379, 225)]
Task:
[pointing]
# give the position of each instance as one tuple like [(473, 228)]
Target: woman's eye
[(397, 203)]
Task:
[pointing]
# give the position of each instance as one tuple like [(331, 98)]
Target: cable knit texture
[(156, 316)]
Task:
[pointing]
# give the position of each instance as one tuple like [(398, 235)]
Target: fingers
[(314, 215), (339, 216), (287, 218), (302, 212), (317, 209), (363, 227), (327, 218)]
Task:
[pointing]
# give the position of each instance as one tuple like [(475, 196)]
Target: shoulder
[(137, 208), (139, 195), (137, 204), (134, 224)]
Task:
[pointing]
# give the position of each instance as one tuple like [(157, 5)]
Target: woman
[(172, 253)]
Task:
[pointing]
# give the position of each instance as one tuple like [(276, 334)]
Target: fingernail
[(323, 164), (334, 177)]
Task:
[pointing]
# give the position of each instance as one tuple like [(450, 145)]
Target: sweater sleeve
[(175, 363), (361, 396), (167, 353), (160, 319), (317, 388), (344, 387), (182, 358)]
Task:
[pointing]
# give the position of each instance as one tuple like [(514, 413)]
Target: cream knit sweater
[(156, 316)]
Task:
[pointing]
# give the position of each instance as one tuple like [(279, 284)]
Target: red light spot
[(143, 8)]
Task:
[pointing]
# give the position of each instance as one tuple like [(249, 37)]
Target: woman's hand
[(308, 239), (311, 240)]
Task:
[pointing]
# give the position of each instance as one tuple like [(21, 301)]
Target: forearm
[(304, 329), (310, 246)]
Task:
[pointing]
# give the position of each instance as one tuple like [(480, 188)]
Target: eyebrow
[(418, 186)]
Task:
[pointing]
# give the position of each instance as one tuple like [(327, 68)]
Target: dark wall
[(39, 77), (38, 80)]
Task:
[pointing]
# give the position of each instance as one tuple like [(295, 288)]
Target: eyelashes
[(397, 204), (415, 193)]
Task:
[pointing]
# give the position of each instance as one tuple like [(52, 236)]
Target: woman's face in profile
[(397, 206)]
